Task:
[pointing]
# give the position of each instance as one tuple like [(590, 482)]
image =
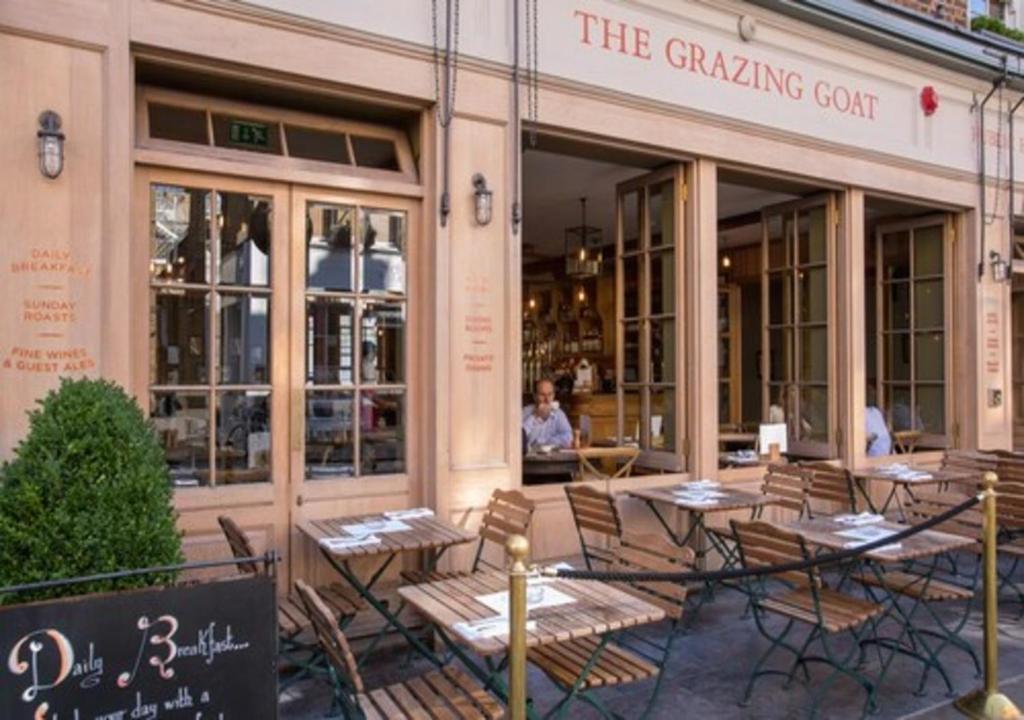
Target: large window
[(648, 268), (911, 319), (209, 333), (356, 310)]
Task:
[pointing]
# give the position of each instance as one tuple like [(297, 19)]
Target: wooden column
[(851, 340), (700, 358)]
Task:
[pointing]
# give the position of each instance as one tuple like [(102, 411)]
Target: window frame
[(675, 459), (927, 441), (828, 448)]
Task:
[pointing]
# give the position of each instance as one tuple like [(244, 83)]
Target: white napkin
[(703, 483), (867, 533), (680, 500), (891, 547), (915, 475), (892, 469), (488, 627), (550, 597), (864, 518), (410, 514), (363, 529), (343, 543)]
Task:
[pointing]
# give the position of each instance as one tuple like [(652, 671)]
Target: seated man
[(543, 422)]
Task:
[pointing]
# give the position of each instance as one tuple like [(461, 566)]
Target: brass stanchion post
[(518, 548), (988, 703)]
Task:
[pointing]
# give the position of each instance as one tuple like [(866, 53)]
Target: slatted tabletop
[(426, 533), (598, 608), (822, 532), (937, 477), (733, 500)]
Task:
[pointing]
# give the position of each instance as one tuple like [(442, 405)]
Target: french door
[(649, 251), (276, 372), (797, 301)]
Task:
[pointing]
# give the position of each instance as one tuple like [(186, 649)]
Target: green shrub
[(86, 493), (984, 22)]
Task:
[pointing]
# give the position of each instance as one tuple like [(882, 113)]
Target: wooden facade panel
[(478, 295), (51, 258)]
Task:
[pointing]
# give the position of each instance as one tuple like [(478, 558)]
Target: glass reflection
[(631, 416), (928, 251), (329, 438), (180, 234), (330, 343), (929, 357), (662, 215), (896, 255), (245, 223), (931, 403), (243, 437), (631, 285), (631, 221), (814, 354), (383, 250), (663, 350), (813, 414), (897, 356), (662, 428), (929, 310), (242, 336), (178, 325), (182, 424), (381, 432), (383, 343), (663, 282), (811, 238), (631, 353), (330, 259), (813, 295)]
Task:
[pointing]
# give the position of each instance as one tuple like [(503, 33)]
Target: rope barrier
[(739, 573)]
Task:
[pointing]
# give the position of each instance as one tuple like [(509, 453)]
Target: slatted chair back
[(240, 545), (789, 483), (830, 486), (762, 544), (973, 461), (508, 513), (1010, 505), (926, 506), (595, 512), (332, 640), (653, 553)]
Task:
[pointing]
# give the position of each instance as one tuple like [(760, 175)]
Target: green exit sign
[(253, 134)]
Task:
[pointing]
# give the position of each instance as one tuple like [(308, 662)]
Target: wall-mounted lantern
[(51, 145), (483, 200), (1000, 268)]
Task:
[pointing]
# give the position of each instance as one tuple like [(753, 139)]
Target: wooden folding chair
[(508, 513), (805, 600), (831, 486), (291, 617), (580, 666), (595, 512), (446, 692)]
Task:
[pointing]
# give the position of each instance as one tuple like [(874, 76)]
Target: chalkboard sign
[(202, 652)]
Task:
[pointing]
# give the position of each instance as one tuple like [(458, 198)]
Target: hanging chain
[(532, 42), (445, 102)]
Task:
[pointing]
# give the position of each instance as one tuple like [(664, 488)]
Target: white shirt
[(882, 442)]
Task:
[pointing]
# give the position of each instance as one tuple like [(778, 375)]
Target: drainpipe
[(517, 206), (1013, 180), (996, 84)]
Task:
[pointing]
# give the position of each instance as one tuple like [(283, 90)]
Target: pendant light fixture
[(583, 247)]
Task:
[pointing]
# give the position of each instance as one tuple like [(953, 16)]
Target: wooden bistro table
[(423, 533), (580, 462), (902, 485), (729, 500), (460, 612), (883, 569)]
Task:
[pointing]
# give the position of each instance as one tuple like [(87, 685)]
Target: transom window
[(209, 333), (356, 315)]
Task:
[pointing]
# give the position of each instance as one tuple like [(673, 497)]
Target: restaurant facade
[(330, 255)]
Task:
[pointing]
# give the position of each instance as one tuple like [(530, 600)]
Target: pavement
[(710, 666)]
